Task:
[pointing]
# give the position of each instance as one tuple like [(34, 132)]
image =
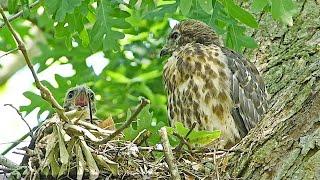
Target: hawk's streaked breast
[(197, 79)]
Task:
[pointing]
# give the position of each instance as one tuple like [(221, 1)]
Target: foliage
[(130, 35), (195, 137)]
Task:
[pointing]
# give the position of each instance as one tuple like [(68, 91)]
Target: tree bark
[(286, 143)]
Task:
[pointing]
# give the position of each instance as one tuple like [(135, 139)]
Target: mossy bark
[(286, 143)]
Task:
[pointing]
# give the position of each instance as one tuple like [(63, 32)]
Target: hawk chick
[(78, 97), (76, 102), (210, 84)]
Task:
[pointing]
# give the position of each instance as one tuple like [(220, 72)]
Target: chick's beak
[(82, 99), (164, 52)]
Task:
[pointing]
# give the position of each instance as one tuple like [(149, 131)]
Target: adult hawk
[(210, 84)]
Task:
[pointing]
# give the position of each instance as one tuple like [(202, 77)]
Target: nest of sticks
[(80, 150)]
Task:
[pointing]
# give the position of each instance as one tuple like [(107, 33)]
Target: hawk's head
[(78, 98), (189, 31)]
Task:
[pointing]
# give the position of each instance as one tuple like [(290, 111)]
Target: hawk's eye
[(174, 35), (70, 94)]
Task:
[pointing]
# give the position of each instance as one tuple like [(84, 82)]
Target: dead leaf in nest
[(189, 177), (107, 124)]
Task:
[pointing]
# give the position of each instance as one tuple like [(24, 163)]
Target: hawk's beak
[(164, 51)]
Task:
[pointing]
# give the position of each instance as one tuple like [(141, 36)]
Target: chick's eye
[(91, 95), (70, 94), (174, 35)]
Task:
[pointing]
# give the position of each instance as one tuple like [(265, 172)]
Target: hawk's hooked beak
[(164, 51)]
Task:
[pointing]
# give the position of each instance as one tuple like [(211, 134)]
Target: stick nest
[(74, 150)]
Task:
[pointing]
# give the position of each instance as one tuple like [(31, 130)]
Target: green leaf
[(109, 16), (258, 5), (118, 77), (283, 10), (206, 5), (12, 6), (236, 39), (84, 36), (25, 8), (240, 14), (42, 104), (145, 121), (248, 41), (147, 76), (60, 8), (161, 11), (185, 6), (197, 137)]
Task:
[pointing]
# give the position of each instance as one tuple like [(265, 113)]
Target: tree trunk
[(286, 143)]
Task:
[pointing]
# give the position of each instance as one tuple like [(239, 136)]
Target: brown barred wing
[(247, 90)]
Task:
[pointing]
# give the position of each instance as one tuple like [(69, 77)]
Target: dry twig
[(9, 52), (21, 117), (168, 154), (45, 92), (178, 148), (7, 163), (143, 103)]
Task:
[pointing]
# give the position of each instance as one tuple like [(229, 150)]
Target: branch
[(18, 14), (182, 141), (18, 141), (7, 163), (30, 130), (44, 91), (168, 154), (178, 148), (9, 52), (143, 103)]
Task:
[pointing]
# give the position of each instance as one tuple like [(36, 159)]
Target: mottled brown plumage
[(210, 84)]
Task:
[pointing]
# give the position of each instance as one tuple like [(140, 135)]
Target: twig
[(23, 154), (216, 166), (44, 91), (145, 137), (138, 136), (18, 14), (9, 52), (147, 144), (90, 110), (21, 117), (14, 144), (183, 141), (5, 170), (178, 148), (143, 103), (205, 150), (7, 163), (191, 129), (168, 154)]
